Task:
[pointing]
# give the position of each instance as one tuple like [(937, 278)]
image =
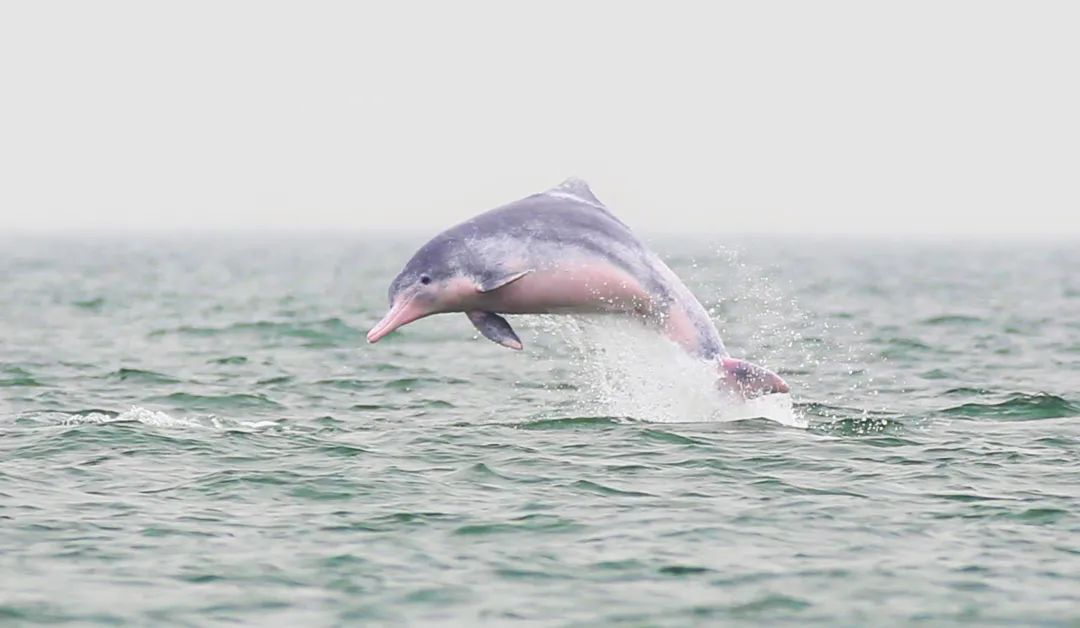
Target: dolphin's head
[(430, 283)]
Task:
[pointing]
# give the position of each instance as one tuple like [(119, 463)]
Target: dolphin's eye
[(424, 279)]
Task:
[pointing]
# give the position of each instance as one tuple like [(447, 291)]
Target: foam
[(156, 418)]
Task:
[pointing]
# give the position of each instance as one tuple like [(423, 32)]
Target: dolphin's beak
[(403, 312)]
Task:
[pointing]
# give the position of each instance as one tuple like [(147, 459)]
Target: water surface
[(193, 431)]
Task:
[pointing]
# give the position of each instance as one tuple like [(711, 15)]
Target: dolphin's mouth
[(402, 313)]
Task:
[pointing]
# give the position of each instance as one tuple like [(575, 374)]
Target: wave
[(145, 416), (216, 403), (142, 376), (320, 333), (1018, 407)]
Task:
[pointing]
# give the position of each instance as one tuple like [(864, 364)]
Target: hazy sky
[(824, 117)]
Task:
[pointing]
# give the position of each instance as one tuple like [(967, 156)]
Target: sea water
[(193, 431)]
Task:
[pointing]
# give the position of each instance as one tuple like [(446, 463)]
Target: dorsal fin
[(578, 189)]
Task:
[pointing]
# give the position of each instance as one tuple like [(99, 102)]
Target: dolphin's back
[(552, 216)]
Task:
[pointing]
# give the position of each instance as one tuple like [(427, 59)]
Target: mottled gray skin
[(541, 229)]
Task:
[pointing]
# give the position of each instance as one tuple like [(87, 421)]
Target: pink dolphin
[(559, 251)]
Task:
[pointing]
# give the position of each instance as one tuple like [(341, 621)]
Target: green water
[(194, 432)]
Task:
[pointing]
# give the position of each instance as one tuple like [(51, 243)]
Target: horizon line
[(346, 232)]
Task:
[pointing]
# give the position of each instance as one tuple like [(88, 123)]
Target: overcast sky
[(821, 117)]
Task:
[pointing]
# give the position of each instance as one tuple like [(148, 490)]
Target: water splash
[(760, 319), (634, 372), (626, 369)]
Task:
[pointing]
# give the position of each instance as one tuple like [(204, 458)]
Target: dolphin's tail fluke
[(750, 380)]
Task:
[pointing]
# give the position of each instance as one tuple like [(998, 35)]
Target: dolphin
[(559, 252)]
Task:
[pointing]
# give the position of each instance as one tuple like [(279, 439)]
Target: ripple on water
[(347, 383), (14, 376), (95, 304), (903, 348), (547, 524), (328, 332), (189, 402), (408, 384), (570, 423), (953, 320), (605, 490), (229, 360), (1017, 407), (140, 376)]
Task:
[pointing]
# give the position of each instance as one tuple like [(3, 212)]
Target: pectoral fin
[(496, 281), (495, 328)]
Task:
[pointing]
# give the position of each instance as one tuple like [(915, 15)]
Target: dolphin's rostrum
[(559, 251)]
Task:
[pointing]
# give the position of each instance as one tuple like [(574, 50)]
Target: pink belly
[(589, 289), (580, 288)]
